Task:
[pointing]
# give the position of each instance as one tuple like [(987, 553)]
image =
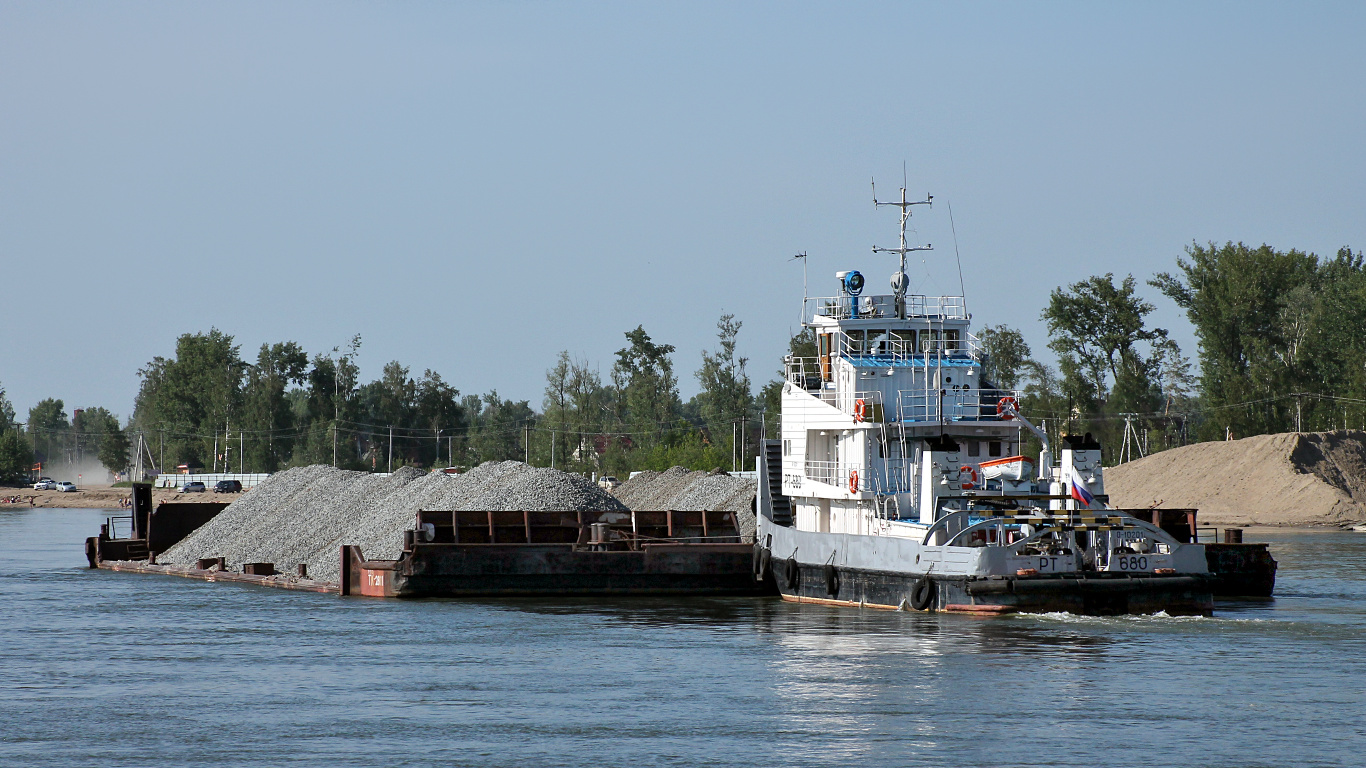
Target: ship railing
[(804, 372), (884, 306), (955, 404), (864, 406), (884, 478), (902, 346), (844, 475)]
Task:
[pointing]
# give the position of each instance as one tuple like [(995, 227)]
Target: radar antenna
[(899, 281)]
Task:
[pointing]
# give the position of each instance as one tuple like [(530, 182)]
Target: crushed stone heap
[(681, 489), (1309, 478), (305, 515)]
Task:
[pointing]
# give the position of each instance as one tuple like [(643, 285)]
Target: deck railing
[(954, 405), (884, 306)]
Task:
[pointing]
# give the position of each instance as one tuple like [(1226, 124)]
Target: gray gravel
[(305, 515), (680, 489)]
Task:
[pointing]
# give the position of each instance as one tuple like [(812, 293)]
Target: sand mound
[(1311, 478)]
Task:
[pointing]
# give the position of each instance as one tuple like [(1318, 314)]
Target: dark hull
[(1093, 594), (470, 570)]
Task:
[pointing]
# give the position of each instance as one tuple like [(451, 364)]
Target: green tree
[(16, 456), (96, 432), (439, 410), (192, 399), (1005, 356), (643, 377), (6, 411), (577, 412), (726, 401), (498, 427), (328, 413), (113, 450), (50, 431), (1108, 356), (267, 410), (1250, 308)]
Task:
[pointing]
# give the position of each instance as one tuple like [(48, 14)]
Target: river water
[(110, 669)]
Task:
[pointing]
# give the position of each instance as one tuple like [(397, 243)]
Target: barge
[(477, 553)]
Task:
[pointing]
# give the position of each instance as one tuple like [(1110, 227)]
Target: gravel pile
[(305, 515), (680, 489)]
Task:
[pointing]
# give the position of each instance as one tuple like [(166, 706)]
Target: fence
[(249, 480)]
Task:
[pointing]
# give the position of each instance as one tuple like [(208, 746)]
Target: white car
[(44, 485), (65, 487)]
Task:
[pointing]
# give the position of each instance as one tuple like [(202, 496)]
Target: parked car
[(44, 485), (228, 486), (65, 487), (608, 483), (194, 487)]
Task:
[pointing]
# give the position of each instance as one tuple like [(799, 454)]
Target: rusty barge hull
[(473, 570), (478, 553), (211, 574)]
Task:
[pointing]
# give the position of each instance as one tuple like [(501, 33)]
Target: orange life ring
[(853, 481), (1001, 407), (971, 471), (860, 410)]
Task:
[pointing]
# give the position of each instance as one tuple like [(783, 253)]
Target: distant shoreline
[(99, 497)]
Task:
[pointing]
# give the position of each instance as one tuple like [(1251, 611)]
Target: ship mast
[(899, 281)]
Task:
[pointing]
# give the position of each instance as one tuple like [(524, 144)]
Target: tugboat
[(898, 481)]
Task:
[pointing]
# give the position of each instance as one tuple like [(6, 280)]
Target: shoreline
[(101, 497)]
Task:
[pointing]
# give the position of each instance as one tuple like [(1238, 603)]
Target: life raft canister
[(860, 410), (853, 481), (1006, 406), (965, 472)]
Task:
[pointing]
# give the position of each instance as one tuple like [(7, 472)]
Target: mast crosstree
[(899, 280)]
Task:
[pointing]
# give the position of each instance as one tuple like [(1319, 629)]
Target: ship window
[(951, 340), (974, 448), (994, 448), (929, 341), (855, 342), (877, 341), (903, 341)]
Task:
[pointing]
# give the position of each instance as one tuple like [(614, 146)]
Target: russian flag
[(1081, 494)]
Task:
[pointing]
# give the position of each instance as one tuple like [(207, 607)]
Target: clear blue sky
[(475, 186)]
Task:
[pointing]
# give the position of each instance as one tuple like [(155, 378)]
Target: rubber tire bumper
[(922, 594)]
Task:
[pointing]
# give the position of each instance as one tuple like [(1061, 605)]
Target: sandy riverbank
[(100, 497)]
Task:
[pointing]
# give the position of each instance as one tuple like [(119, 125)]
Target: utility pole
[(391, 448), (1298, 402), (526, 442)]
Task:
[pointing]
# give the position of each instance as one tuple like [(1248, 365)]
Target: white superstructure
[(890, 434)]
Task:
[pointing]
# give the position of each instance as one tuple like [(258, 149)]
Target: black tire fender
[(832, 580), (792, 574), (762, 563), (922, 594)]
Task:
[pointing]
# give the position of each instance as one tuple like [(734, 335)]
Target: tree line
[(206, 408), (1282, 347)]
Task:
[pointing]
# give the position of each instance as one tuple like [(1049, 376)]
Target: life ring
[(860, 410), (922, 595), (832, 580), (853, 481), (792, 574), (1006, 414), (972, 472)]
